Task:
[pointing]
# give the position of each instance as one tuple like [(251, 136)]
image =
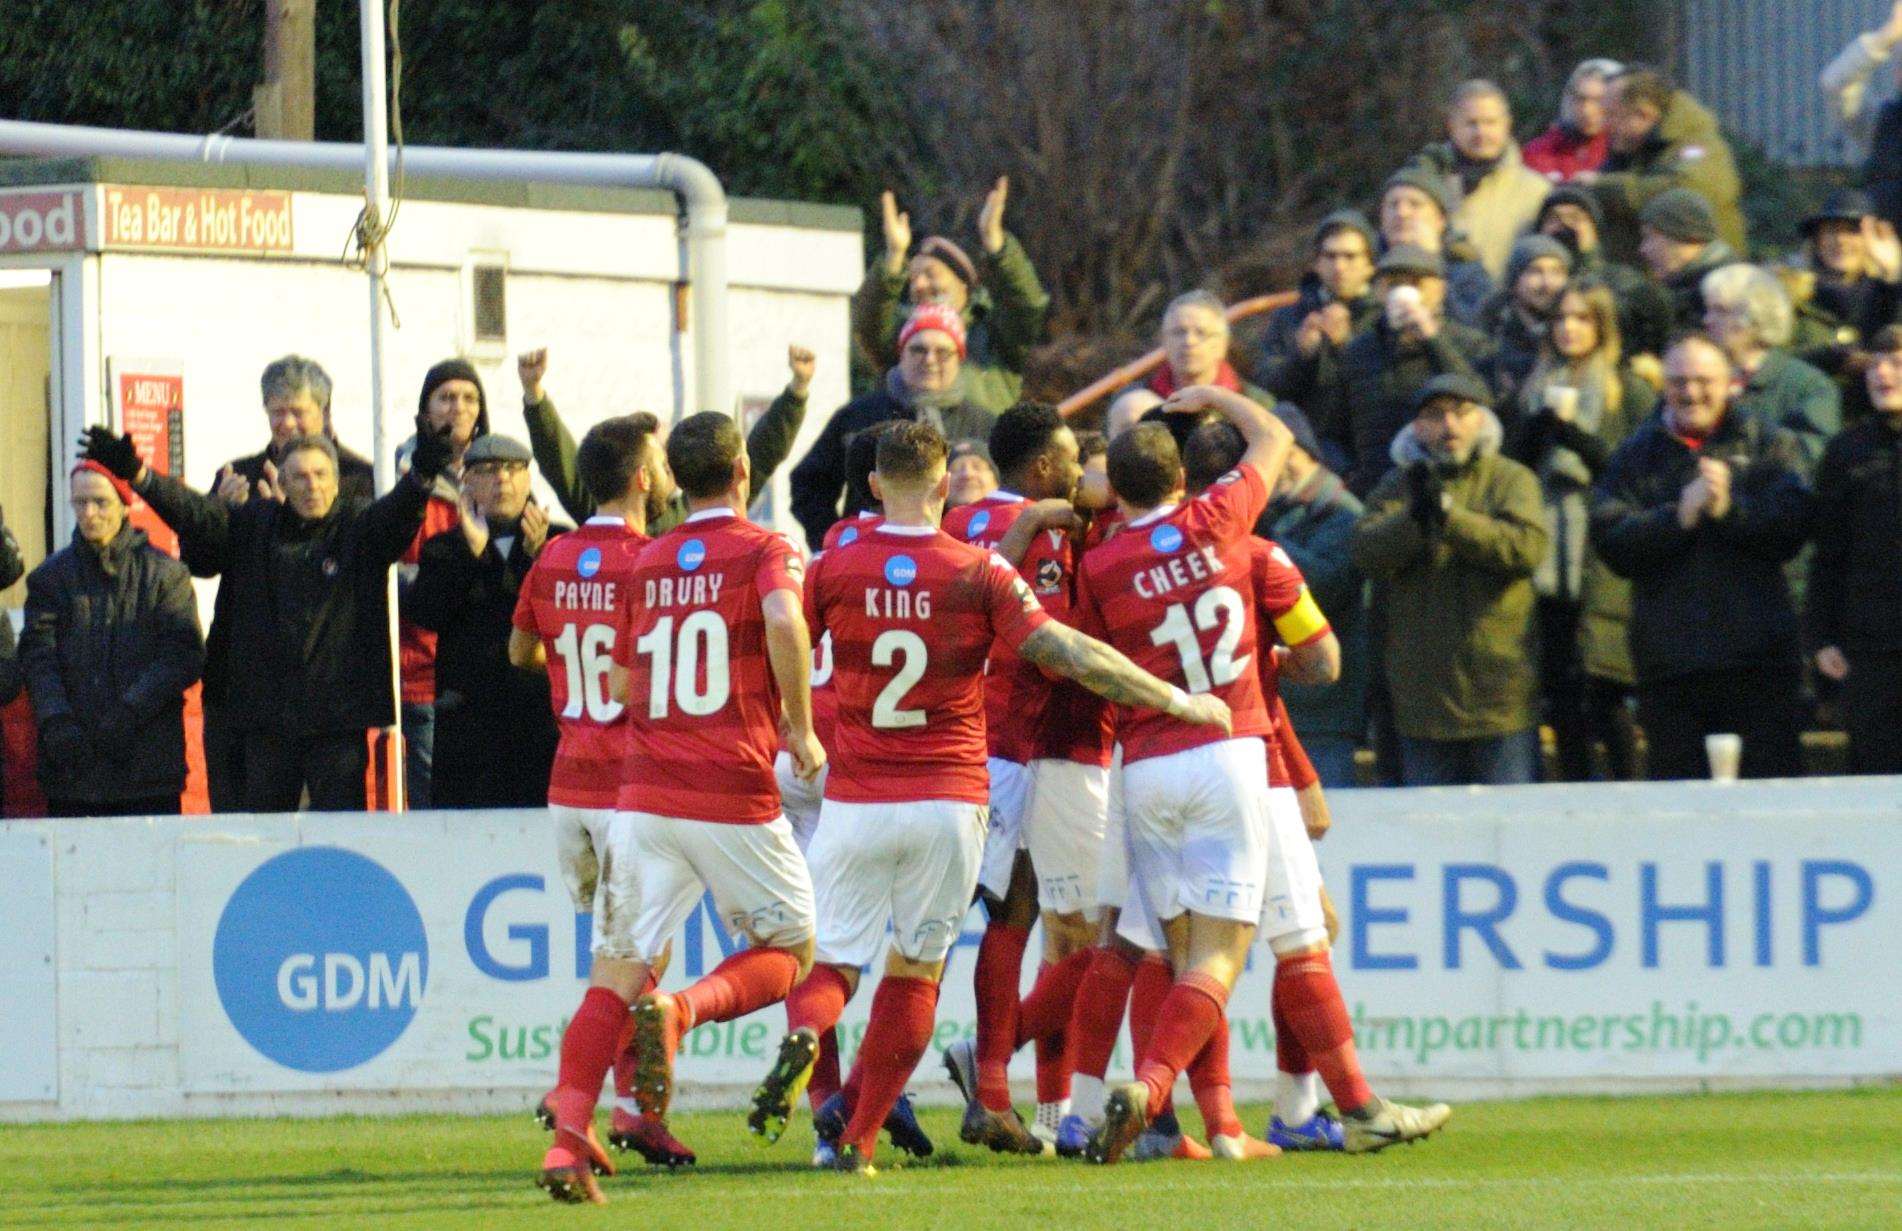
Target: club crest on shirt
[(901, 570), (692, 554), (979, 521), (1049, 576), (1166, 538), (588, 563)]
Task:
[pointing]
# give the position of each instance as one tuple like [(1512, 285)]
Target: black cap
[(1461, 385), (1411, 259), (1346, 220), (1843, 205), (1574, 194)]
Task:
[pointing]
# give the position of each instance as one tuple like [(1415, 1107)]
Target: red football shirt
[(1078, 725), (825, 702), (913, 615), (1283, 604), (703, 713), (1016, 694), (1174, 590), (575, 599)]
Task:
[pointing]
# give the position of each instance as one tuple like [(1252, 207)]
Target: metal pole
[(376, 192)]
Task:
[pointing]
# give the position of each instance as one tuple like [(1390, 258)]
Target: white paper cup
[(1562, 401), (1726, 756), (1401, 302)]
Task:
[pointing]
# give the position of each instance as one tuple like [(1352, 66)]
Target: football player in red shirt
[(573, 603), (714, 656), (901, 833), (1312, 1028), (1036, 457)]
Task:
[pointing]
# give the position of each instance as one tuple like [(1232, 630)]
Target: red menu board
[(150, 395)]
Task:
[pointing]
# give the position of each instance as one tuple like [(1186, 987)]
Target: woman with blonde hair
[(1580, 400)]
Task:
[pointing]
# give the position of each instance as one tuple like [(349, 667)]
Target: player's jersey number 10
[(702, 637)]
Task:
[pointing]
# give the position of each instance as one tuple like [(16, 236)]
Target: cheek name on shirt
[(1198, 565), (588, 595), (697, 591), (898, 604)]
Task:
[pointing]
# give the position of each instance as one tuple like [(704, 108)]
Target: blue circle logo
[(589, 562), (979, 521), (848, 535), (320, 959), (901, 570), (1165, 538), (692, 554)]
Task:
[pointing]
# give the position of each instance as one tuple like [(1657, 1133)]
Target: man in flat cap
[(1452, 536), (495, 736)]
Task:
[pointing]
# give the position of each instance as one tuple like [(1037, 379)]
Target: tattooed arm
[(1062, 650)]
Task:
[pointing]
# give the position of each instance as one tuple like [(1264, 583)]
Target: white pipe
[(376, 190), (697, 187)]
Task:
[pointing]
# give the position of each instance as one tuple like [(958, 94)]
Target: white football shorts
[(1064, 822), (799, 799), (1291, 900), (761, 888), (910, 865), (1010, 793)]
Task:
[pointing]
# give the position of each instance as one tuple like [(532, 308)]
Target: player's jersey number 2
[(586, 653), (676, 676), (1217, 607), (904, 649)]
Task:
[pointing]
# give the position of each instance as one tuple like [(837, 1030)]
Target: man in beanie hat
[(1576, 142), (1572, 215), (111, 643), (495, 736), (454, 405), (1452, 536), (1662, 138), (1519, 316), (299, 652), (1416, 210), (1680, 245), (923, 387), (1358, 397), (998, 297), (1845, 287), (1499, 195), (1336, 302)]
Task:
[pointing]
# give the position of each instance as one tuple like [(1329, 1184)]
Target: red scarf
[(1163, 383), (1694, 443)]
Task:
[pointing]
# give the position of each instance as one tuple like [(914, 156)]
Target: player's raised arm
[(789, 651), (1064, 651), (1266, 437)]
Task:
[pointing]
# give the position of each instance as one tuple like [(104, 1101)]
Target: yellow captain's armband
[(1301, 621)]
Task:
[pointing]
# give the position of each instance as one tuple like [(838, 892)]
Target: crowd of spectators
[(1565, 461)]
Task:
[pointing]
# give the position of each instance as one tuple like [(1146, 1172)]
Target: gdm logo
[(589, 562), (692, 554), (1165, 538), (320, 959), (980, 522), (901, 570)]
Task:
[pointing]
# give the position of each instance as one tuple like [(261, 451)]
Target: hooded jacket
[(1714, 597), (1685, 150), (1279, 365), (1457, 600), (112, 643)]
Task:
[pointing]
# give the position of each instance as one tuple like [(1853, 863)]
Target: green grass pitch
[(1729, 1161)]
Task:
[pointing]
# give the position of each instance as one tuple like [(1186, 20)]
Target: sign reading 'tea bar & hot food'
[(196, 219)]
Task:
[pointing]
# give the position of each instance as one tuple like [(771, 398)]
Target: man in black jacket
[(111, 644), (296, 394), (11, 568), (300, 649), (1701, 507), (1336, 303), (495, 736), (1855, 581)]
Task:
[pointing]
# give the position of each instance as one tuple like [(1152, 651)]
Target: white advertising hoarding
[(29, 1054), (1585, 937)]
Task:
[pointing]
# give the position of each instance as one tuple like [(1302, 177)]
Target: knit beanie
[(933, 316), (1574, 194), (1681, 214), (1346, 220), (939, 248), (1531, 248), (119, 485), (1436, 186), (456, 369)]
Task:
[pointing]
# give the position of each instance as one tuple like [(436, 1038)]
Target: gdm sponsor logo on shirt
[(589, 562), (901, 570), (320, 959), (980, 520), (692, 554), (1165, 538)]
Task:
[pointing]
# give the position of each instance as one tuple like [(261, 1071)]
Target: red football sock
[(1152, 984), (1214, 1092), (1053, 1068), (751, 979), (1000, 964), (625, 1057), (1096, 1015), (895, 1040), (1047, 1009), (824, 1082), (587, 1051), (1189, 1014), (1290, 1056), (818, 1003), (1308, 997)]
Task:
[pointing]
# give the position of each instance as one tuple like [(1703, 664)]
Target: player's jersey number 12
[(1217, 606)]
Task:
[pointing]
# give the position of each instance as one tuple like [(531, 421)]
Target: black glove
[(432, 452), (115, 452), (1425, 496), (62, 743)]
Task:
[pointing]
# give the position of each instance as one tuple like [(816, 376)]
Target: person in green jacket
[(1452, 536), (1748, 314), (1662, 138), (767, 444), (999, 295)]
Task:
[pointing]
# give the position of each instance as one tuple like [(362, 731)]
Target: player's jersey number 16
[(586, 654), (1219, 606)]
